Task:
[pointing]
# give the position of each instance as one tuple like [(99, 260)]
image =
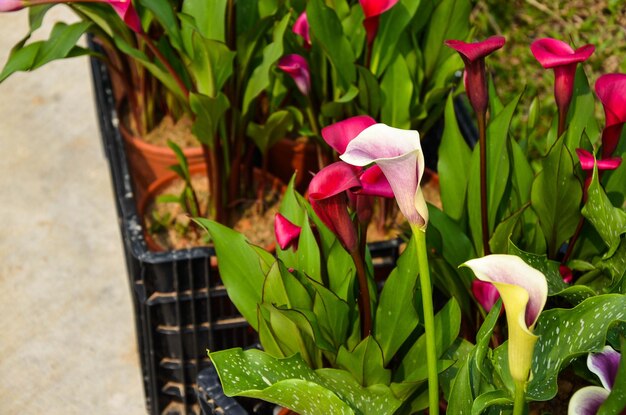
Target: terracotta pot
[(158, 186), (149, 162), (289, 156)]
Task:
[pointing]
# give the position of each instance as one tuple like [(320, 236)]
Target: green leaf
[(374, 400), (500, 239), (164, 12), (454, 161), (369, 91), (397, 89), (450, 20), (237, 259), (210, 19), (341, 272), (365, 363), (327, 31), (60, 45), (490, 399), (447, 326), (522, 174), (275, 128), (498, 171), (287, 382), (260, 78), (555, 196), (581, 115), (609, 221), (616, 401), (209, 113), (396, 317), (563, 335), (333, 315), (211, 66)]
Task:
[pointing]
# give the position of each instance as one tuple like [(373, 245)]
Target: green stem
[(519, 404), (365, 309), (429, 319), (316, 130), (484, 214)]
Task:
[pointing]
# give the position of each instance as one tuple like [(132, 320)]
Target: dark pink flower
[(558, 55), (126, 11), (485, 293), (301, 28), (566, 274), (473, 55), (611, 89), (329, 199), (298, 68), (286, 232), (11, 5), (339, 134), (372, 9), (587, 161)]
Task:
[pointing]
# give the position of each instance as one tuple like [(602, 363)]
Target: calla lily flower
[(298, 68), (485, 293), (11, 5), (123, 8), (301, 28), (587, 161), (287, 233), (339, 134), (329, 200), (399, 155), (566, 274), (372, 9), (473, 55), (558, 55), (587, 401), (611, 89), (524, 292)]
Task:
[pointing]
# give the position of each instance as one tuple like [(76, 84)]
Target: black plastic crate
[(181, 308)]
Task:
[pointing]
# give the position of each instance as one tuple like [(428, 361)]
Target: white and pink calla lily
[(399, 155), (524, 292), (587, 401)]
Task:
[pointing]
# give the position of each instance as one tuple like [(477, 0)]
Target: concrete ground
[(67, 342)]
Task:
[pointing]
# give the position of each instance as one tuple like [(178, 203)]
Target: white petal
[(586, 401)]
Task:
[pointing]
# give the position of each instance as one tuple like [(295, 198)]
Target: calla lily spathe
[(558, 55), (399, 155), (298, 68), (611, 89), (587, 401), (11, 5), (286, 232), (301, 28), (587, 162), (473, 55), (524, 292), (372, 9)]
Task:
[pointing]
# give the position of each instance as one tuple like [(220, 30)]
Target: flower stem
[(365, 309), (429, 319), (519, 404), (484, 214)]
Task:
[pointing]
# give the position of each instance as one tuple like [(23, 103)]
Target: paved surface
[(67, 342)]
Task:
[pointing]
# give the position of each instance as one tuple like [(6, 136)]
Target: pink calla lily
[(524, 292), (587, 161), (301, 28), (566, 274), (298, 68), (611, 89), (399, 155), (587, 401), (374, 183), (339, 134), (485, 293), (473, 55), (558, 55), (286, 232), (329, 200), (372, 9), (11, 5)]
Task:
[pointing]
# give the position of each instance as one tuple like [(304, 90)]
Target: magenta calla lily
[(587, 161), (11, 5), (286, 232), (473, 55), (301, 28), (297, 67), (372, 9), (374, 183), (329, 200), (339, 134), (611, 89), (587, 401), (485, 293), (524, 292), (399, 155), (558, 55)]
